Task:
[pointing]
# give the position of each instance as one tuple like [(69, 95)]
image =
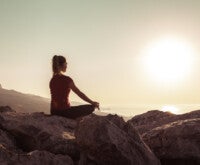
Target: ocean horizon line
[(136, 109)]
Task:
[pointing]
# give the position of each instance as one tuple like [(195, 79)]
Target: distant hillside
[(27, 102), (24, 102)]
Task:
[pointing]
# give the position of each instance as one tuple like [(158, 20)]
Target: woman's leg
[(75, 111), (79, 111)]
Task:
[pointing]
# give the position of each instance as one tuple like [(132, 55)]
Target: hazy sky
[(103, 41)]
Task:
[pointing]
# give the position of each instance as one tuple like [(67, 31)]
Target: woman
[(60, 86)]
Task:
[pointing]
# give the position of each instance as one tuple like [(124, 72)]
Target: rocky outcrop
[(23, 133), (6, 109), (152, 119), (177, 143), (37, 138), (109, 140), (173, 138), (33, 158)]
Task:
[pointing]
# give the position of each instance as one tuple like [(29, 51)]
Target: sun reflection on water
[(169, 108)]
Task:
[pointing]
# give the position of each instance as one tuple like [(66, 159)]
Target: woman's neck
[(57, 74)]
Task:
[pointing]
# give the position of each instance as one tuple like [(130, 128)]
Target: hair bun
[(57, 62), (55, 56)]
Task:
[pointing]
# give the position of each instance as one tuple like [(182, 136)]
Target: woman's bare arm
[(82, 95)]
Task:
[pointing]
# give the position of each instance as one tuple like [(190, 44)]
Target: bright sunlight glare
[(168, 60), (169, 108)]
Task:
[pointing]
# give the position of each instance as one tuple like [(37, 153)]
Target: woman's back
[(60, 89)]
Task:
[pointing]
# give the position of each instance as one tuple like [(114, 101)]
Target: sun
[(171, 109), (168, 60)]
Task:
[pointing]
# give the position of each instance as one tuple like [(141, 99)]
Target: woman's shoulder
[(68, 78), (61, 76)]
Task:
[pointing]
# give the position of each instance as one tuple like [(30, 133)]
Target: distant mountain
[(29, 103), (24, 102)]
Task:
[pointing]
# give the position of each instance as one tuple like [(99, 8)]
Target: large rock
[(38, 131), (33, 158), (155, 118), (6, 109), (176, 143), (108, 140), (8, 141)]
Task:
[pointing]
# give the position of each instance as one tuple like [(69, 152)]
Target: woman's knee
[(91, 108)]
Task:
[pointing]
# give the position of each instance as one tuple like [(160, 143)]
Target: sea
[(136, 109)]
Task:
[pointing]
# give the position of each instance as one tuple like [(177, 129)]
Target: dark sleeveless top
[(60, 88)]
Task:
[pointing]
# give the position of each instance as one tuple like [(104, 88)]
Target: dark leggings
[(74, 111)]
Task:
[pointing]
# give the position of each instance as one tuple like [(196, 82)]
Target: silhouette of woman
[(60, 86)]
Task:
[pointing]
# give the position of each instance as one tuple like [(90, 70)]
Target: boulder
[(155, 118), (6, 109), (109, 140), (38, 131), (176, 143), (8, 141), (33, 158)]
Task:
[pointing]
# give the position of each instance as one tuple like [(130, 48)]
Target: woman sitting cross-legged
[(60, 86)]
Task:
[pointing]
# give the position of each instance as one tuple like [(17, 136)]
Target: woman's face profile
[(64, 67)]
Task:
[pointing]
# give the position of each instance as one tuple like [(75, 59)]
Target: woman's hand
[(83, 96), (95, 104)]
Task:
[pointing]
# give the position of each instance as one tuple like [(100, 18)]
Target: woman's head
[(59, 64)]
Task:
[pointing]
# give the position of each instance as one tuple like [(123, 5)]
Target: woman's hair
[(57, 63)]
